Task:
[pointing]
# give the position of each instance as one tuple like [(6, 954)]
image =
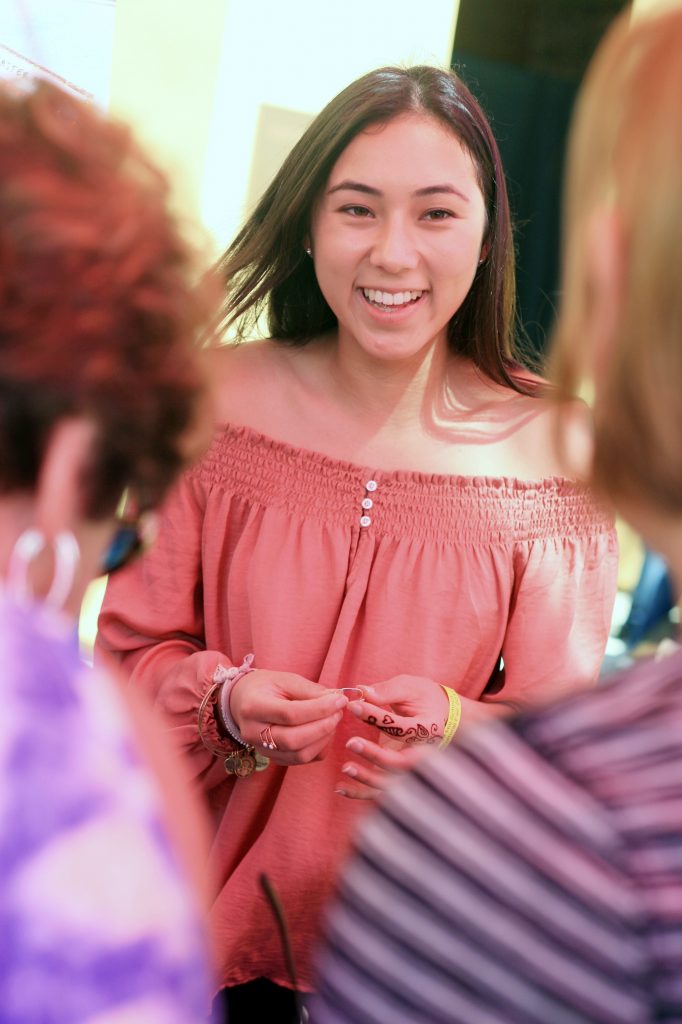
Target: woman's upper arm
[(157, 600), (560, 615)]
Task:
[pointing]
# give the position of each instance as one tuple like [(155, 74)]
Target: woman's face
[(397, 236)]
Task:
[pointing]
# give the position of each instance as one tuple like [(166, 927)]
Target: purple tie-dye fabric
[(96, 922)]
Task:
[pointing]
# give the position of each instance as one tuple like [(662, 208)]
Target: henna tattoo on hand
[(414, 734)]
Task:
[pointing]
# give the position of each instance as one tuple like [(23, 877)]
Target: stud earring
[(308, 251)]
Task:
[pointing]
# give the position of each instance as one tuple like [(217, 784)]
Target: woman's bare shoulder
[(244, 358), (553, 436), (248, 381), (532, 432)]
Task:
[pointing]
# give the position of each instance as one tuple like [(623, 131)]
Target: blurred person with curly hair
[(101, 393)]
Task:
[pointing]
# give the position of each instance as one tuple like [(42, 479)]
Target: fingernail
[(356, 707), (340, 702), (357, 746), (350, 769), (341, 792)]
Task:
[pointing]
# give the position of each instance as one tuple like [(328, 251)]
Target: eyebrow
[(430, 190)]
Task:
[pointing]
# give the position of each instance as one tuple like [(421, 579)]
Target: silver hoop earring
[(66, 557)]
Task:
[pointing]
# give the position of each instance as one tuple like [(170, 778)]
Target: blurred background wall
[(223, 88)]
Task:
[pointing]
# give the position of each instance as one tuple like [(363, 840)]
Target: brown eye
[(357, 211), (439, 214)]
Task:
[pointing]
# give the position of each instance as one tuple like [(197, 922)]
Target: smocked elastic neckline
[(307, 485), (286, 449)]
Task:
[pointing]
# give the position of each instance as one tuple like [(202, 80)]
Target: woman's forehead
[(414, 150)]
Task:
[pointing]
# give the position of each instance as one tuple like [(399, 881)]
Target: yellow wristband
[(454, 715)]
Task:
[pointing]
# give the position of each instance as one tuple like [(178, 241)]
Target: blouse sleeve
[(560, 615), (151, 622)]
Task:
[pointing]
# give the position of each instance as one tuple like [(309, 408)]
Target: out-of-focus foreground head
[(99, 303), (620, 321)]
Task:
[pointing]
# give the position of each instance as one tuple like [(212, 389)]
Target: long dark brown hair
[(267, 272)]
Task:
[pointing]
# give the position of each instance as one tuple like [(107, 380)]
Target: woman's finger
[(375, 778), (401, 690), (315, 752), (410, 696), (359, 782), (409, 730), (300, 712), (292, 739), (356, 791), (278, 708), (386, 758)]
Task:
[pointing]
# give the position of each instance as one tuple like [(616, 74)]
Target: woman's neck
[(387, 390)]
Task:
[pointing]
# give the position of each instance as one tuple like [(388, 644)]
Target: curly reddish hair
[(100, 308)]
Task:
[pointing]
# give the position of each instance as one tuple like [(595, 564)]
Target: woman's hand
[(409, 714), (298, 716)]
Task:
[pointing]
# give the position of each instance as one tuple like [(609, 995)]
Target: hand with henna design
[(418, 733), (409, 713)]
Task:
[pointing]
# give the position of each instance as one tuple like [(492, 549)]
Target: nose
[(394, 247)]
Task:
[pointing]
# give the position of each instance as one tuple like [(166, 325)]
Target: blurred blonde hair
[(625, 152)]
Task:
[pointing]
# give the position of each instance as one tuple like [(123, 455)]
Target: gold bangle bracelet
[(453, 719), (240, 760), (206, 711)]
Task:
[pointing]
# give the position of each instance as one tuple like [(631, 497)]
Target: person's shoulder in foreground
[(531, 874)]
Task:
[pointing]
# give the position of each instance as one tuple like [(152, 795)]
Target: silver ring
[(267, 738)]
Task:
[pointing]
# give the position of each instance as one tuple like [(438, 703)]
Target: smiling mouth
[(391, 300)]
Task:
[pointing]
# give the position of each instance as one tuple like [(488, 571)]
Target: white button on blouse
[(367, 503), (371, 485), (365, 520)]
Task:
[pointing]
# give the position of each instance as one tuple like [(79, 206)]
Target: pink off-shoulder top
[(345, 574)]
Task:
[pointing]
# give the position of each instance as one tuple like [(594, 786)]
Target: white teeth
[(391, 298)]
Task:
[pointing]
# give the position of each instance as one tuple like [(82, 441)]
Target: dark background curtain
[(524, 60)]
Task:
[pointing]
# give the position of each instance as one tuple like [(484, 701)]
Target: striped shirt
[(530, 875)]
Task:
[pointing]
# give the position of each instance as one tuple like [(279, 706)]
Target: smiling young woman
[(381, 507), (397, 238)]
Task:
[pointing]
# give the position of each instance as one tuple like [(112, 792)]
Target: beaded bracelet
[(453, 719), (241, 758), (227, 677)]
